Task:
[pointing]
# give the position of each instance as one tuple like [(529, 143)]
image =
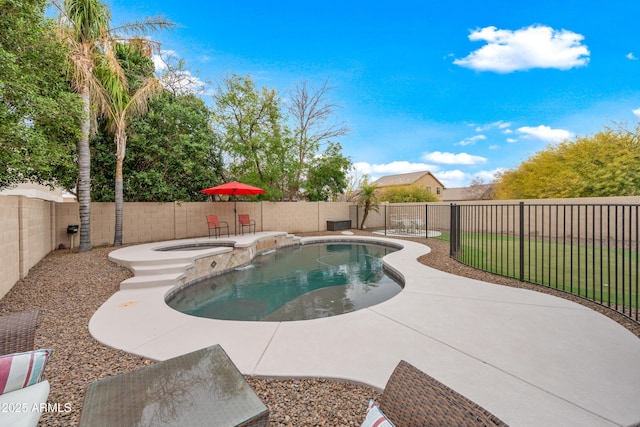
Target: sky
[(463, 89)]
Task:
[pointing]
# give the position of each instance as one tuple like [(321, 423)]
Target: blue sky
[(460, 88)]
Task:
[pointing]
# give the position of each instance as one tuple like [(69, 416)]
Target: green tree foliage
[(248, 126), (170, 154), (603, 165), (124, 104), (327, 174), (39, 115), (367, 198), (407, 194), (261, 150)]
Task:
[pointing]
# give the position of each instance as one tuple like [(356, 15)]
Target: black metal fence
[(589, 250), (408, 220)]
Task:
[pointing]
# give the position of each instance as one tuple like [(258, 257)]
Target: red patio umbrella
[(233, 189)]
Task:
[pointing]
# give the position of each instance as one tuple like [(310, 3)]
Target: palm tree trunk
[(84, 176), (117, 239), (364, 216), (121, 140)]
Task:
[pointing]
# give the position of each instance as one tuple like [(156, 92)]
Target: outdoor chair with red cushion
[(245, 221), (216, 225)]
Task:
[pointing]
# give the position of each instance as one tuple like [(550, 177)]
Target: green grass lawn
[(607, 275)]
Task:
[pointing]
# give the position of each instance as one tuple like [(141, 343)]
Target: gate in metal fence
[(589, 250)]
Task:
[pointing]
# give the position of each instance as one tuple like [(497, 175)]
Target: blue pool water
[(294, 283)]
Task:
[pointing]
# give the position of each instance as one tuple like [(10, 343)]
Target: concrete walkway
[(530, 358)]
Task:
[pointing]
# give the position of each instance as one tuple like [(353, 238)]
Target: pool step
[(162, 268), (151, 281)]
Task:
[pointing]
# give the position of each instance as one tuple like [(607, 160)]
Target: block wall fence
[(31, 228)]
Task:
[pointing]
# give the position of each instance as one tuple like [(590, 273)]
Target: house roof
[(475, 192), (403, 179)]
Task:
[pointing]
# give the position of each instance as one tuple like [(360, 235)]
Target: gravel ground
[(69, 287)]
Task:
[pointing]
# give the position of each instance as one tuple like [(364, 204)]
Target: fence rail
[(408, 220), (589, 250)]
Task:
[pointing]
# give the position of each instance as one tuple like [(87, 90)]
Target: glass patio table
[(199, 388)]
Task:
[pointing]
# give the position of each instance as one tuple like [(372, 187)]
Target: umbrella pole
[(235, 217)]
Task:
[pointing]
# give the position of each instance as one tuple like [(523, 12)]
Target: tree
[(407, 194), (248, 126), (327, 174), (83, 25), (603, 165), (367, 199), (171, 154), (85, 29), (39, 114), (311, 112), (123, 104), (177, 79)]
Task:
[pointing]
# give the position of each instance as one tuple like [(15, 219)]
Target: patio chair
[(245, 221), (216, 225), (18, 331), (413, 398)]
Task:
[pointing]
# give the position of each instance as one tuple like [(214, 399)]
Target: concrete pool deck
[(530, 358)]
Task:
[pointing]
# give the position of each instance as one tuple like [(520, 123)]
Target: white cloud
[(471, 140), (488, 176), (545, 133), (452, 158), (158, 63), (453, 178), (457, 178), (631, 56), (512, 140), (532, 47), (636, 112), (500, 124)]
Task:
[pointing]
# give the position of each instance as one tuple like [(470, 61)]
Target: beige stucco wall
[(9, 243), (146, 222), (27, 234)]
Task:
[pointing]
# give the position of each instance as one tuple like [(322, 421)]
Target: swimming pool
[(293, 283)]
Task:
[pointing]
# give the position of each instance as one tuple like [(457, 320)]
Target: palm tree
[(122, 106), (83, 25), (367, 198), (84, 28)]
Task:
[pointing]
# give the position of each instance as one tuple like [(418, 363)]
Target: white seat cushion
[(22, 407)]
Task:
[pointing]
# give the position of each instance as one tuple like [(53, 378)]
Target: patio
[(74, 291), (513, 351)]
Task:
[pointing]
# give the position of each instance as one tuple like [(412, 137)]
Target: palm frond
[(149, 24)]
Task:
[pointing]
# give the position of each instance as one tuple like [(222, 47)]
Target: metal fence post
[(522, 241), (453, 226), (426, 221), (385, 220)]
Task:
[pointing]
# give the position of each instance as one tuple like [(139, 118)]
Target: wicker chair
[(18, 331), (413, 398)]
